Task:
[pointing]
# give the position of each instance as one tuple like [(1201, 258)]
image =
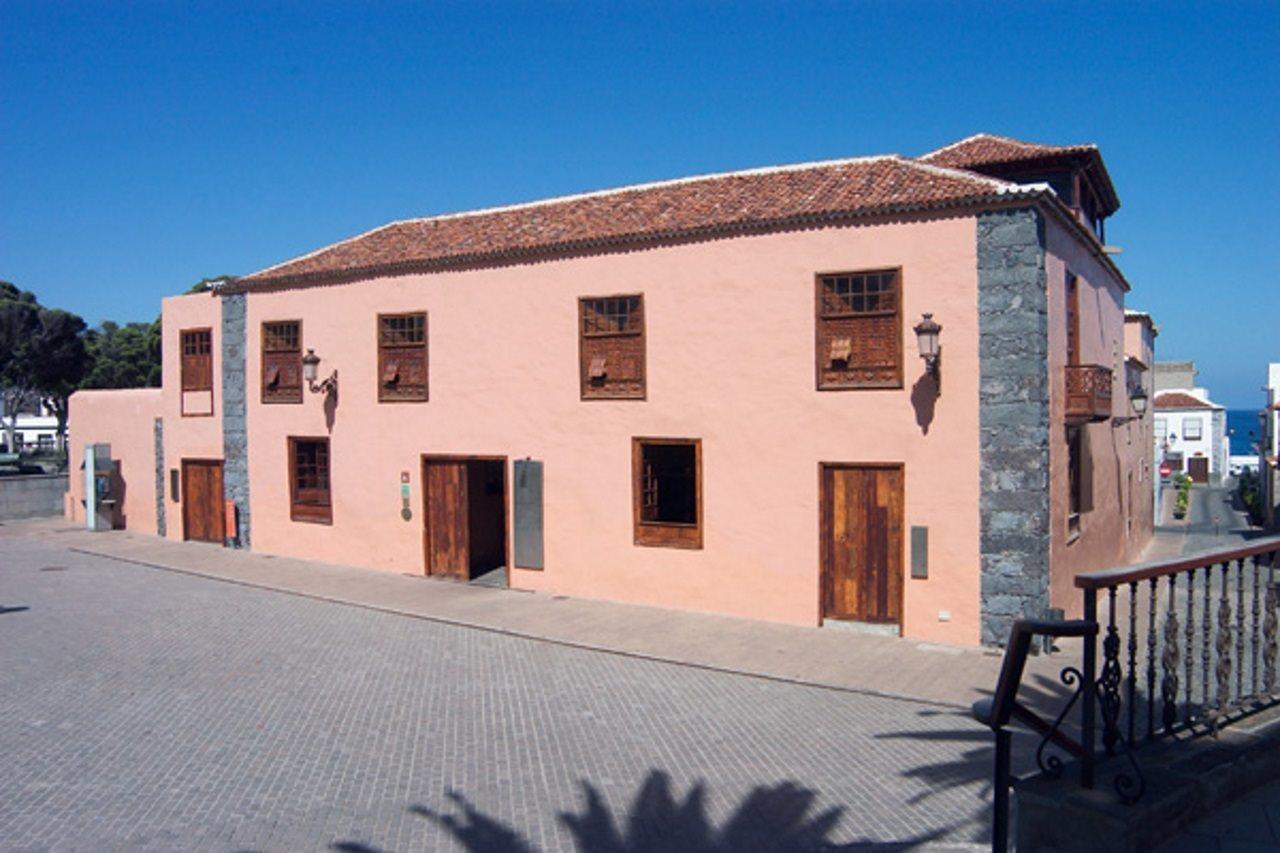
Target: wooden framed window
[(859, 330), (1075, 481), (1073, 318), (666, 485), (282, 361), (402, 358), (611, 347), (1192, 429), (197, 359), (309, 495)]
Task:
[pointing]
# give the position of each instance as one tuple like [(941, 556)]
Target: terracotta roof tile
[(985, 148), (684, 208), (985, 152), (1180, 400)]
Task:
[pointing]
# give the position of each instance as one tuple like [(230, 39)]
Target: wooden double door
[(1198, 469), (862, 542), (203, 506), (464, 517)]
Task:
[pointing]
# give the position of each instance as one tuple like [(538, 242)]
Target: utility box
[(102, 488)]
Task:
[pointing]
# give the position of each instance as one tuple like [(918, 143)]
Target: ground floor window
[(309, 496), (667, 491)]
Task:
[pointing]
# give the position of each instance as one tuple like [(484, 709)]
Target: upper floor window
[(197, 359), (309, 495), (402, 357), (859, 330), (1073, 319), (1192, 429), (611, 347), (282, 361)]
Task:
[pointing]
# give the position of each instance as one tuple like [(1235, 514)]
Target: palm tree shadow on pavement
[(769, 818)]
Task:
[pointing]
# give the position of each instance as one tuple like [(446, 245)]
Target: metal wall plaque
[(919, 552), (527, 503)]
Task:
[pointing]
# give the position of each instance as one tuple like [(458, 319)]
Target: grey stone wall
[(161, 528), (1013, 419), (235, 437), (32, 496)]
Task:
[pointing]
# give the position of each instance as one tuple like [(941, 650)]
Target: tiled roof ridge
[(1177, 398), (1021, 143), (997, 186)]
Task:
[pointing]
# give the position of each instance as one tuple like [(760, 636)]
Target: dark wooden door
[(447, 533), (862, 543), (1198, 469), (203, 509)]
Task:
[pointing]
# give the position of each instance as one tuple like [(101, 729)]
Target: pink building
[(704, 393)]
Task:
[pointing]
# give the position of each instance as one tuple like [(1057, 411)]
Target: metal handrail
[(1162, 568), (1003, 706)]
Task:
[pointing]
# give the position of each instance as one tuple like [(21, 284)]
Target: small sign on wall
[(405, 512)]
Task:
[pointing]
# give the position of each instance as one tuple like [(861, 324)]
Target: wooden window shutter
[(282, 361), (611, 347), (402, 358), (858, 330), (197, 359)]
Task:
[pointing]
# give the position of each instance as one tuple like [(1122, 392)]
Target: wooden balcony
[(1088, 393)]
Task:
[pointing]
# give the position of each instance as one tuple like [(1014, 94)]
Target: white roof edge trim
[(652, 185), (999, 186)]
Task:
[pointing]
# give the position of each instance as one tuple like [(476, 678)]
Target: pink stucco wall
[(1114, 530), (188, 437), (730, 327), (126, 420)]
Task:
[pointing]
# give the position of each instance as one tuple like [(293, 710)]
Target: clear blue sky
[(144, 146)]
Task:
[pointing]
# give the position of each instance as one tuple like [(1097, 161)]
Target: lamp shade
[(1139, 401), (927, 332), (310, 365)]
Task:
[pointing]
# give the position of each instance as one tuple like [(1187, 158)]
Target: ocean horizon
[(1242, 427)]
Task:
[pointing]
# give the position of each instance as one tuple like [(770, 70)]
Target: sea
[(1242, 427)]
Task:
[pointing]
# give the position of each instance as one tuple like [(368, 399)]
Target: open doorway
[(465, 518)]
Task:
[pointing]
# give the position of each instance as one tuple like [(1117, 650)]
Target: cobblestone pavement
[(144, 709)]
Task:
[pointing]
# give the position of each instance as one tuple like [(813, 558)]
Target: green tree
[(59, 362), (125, 356), (19, 321)]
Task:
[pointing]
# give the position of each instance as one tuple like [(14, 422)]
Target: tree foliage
[(124, 356), (48, 354)]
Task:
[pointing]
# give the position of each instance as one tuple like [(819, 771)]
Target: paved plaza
[(151, 709)]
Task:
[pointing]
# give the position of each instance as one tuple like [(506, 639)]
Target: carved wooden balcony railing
[(1088, 393)]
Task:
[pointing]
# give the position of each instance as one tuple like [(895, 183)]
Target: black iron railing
[(1188, 645), (1003, 706)]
